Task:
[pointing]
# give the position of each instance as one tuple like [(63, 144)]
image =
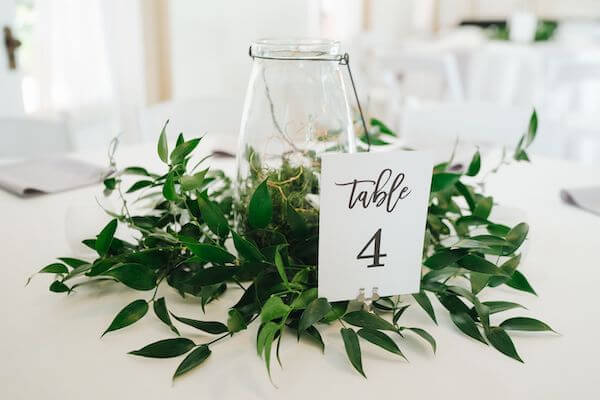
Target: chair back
[(25, 137), (194, 117), (435, 124)]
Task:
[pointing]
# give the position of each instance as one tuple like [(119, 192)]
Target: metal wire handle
[(343, 59)]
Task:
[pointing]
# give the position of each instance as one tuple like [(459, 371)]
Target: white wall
[(210, 39), (391, 20)]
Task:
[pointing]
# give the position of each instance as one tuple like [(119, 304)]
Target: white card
[(373, 210)]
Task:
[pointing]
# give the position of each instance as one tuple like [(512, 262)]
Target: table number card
[(373, 210)]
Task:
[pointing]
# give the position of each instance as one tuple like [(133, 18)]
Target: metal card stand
[(367, 302)]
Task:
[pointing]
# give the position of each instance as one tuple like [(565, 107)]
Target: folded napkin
[(48, 175), (587, 198)]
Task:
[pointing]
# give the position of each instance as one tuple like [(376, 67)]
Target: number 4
[(376, 253)]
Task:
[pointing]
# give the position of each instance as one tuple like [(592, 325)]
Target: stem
[(272, 109), (217, 339), (239, 284)]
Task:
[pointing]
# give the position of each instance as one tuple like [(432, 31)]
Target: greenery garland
[(182, 239)]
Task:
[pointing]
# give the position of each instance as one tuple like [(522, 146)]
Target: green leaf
[(399, 313), (461, 316), (519, 282), (274, 308), (531, 132), (305, 298), (491, 240), (130, 314), (105, 238), (110, 183), (193, 182), (181, 151), (168, 189), (478, 281), (296, 222), (167, 348), (498, 229), (443, 180), (517, 235), (265, 330), (163, 148), (425, 335), (483, 207), (444, 258), (380, 339), (235, 322), (314, 334), (160, 309), (525, 324), (260, 209), (337, 310), (313, 313), (508, 267), (382, 127), (212, 276), (425, 304), (136, 171), (521, 155), (212, 327), (193, 359), (73, 262), (465, 323), (265, 341), (365, 319), (503, 343), (467, 193), (352, 349), (100, 266), (280, 265), (374, 141), (482, 311), (210, 253), (55, 268), (246, 249), (139, 185), (499, 306), (479, 264), (213, 216), (135, 276), (180, 139), (58, 287), (475, 164)]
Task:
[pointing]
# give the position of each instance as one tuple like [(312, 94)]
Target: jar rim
[(295, 48)]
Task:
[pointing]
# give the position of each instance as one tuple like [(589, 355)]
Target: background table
[(50, 344)]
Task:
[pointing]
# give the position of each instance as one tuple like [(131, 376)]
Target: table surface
[(51, 346)]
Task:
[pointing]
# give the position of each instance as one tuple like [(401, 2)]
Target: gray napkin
[(587, 198), (48, 175)]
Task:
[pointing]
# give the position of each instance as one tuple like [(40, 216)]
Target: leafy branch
[(180, 241)]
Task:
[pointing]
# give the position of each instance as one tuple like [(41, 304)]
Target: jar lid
[(295, 48)]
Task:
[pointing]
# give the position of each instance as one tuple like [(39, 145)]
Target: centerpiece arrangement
[(205, 232)]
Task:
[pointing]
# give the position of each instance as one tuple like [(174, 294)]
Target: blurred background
[(74, 73)]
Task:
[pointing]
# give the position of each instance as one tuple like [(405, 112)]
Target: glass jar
[(297, 107)]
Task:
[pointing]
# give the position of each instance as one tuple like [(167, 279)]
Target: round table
[(51, 346)]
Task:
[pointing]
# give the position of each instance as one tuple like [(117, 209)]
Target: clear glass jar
[(297, 107)]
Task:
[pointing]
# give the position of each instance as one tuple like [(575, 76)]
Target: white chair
[(572, 84), (432, 125), (33, 137), (506, 74), (428, 75), (195, 117)]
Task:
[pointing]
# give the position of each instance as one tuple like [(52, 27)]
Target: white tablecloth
[(50, 344)]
